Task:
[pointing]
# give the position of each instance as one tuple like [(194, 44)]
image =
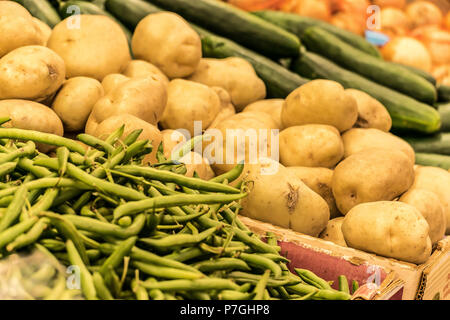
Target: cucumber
[(298, 24), (439, 143), (433, 160), (279, 80), (444, 111), (385, 73), (41, 9), (443, 93), (406, 113), (238, 25), (427, 76), (90, 8), (130, 12)]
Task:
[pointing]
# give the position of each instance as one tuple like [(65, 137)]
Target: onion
[(394, 21), (349, 22), (319, 9), (442, 74), (408, 51), (400, 4), (253, 5), (437, 41), (423, 13), (447, 21)]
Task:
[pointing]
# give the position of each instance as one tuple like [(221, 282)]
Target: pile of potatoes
[(331, 170)]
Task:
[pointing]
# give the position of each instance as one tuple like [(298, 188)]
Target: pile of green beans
[(135, 230)]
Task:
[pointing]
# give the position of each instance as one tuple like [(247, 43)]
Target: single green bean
[(222, 264), (261, 262), (240, 276), (30, 237), (115, 135), (132, 137), (7, 168), (178, 240), (312, 279), (186, 254), (192, 285), (261, 286), (229, 176), (95, 143), (62, 153), (343, 284), (140, 292), (8, 235), (15, 207), (45, 202), (355, 286), (165, 272), (256, 244), (100, 287), (116, 258)]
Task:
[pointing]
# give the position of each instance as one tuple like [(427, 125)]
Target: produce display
[(134, 133)]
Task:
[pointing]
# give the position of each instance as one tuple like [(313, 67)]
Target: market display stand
[(393, 279)]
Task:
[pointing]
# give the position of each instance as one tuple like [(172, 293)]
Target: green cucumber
[(433, 160), (438, 143), (427, 76), (130, 12), (41, 9), (279, 80), (406, 113), (385, 73), (444, 111), (443, 93), (236, 24), (298, 24), (89, 8)]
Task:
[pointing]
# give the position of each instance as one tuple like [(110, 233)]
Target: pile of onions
[(319, 9), (394, 21), (437, 40), (423, 13), (400, 4), (408, 51)]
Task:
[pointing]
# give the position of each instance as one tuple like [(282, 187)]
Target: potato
[(141, 68), (371, 113), (75, 100), (430, 207), (17, 28), (318, 180), (31, 73), (31, 115), (196, 163), (171, 139), (227, 109), (236, 75), (240, 136), (372, 175), (45, 31), (389, 228), (312, 145), (436, 180), (94, 49), (150, 132), (187, 102), (333, 232), (281, 198), (144, 98), (357, 139), (112, 81), (320, 102), (166, 40), (272, 107)]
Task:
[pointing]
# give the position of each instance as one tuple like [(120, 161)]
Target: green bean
[(7, 168), (192, 285), (254, 243), (108, 229), (167, 176), (245, 287), (140, 292), (261, 286), (165, 272), (87, 282), (115, 135), (134, 207), (69, 231), (181, 219), (95, 143), (30, 237), (27, 150), (57, 290), (308, 296), (45, 202), (312, 279), (343, 284), (65, 209), (186, 254), (100, 287), (8, 235), (240, 276), (5, 201), (222, 264), (155, 294), (275, 257), (116, 258), (47, 138), (132, 137), (14, 208), (231, 218), (197, 295), (4, 120), (355, 286), (221, 250), (135, 149), (62, 154), (79, 160), (53, 245), (178, 240), (261, 262), (125, 222), (229, 176)]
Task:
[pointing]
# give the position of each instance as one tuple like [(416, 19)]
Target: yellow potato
[(320, 102), (144, 98), (166, 40), (75, 100), (95, 48), (112, 81), (31, 73), (17, 28), (389, 228), (318, 180), (45, 31), (281, 198), (371, 113), (431, 209), (150, 132), (371, 175), (141, 68), (333, 232), (436, 180), (357, 139), (272, 107), (196, 163), (236, 75), (188, 102), (31, 116), (312, 145)]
